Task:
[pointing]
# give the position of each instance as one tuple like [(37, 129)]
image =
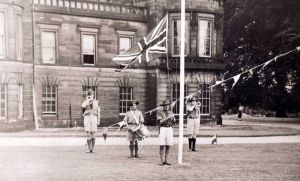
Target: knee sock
[(161, 153), (167, 153)]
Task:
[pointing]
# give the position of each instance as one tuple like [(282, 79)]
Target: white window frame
[(124, 100), (176, 17), (45, 99), (3, 86), (89, 32), (208, 18), (53, 29), (119, 44), (4, 33), (204, 96), (19, 36), (125, 34)]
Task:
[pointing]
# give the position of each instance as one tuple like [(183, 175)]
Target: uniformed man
[(133, 120), (91, 116), (166, 120)]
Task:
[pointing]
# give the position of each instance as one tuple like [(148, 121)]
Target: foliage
[(255, 32)]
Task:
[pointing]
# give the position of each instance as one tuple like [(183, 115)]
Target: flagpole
[(181, 96)]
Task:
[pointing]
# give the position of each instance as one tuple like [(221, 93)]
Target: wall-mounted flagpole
[(181, 96)]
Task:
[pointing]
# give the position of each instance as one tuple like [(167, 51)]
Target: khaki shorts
[(193, 126), (90, 123), (132, 136), (166, 136)]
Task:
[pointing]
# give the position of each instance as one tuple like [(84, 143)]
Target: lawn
[(211, 162)]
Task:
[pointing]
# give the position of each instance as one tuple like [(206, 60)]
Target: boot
[(190, 144), (194, 144), (137, 151), (89, 144), (131, 151)]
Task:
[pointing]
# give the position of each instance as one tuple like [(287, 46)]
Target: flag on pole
[(154, 42)]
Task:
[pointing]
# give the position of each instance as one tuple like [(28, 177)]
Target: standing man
[(133, 120), (193, 121), (240, 112), (166, 120), (91, 118)]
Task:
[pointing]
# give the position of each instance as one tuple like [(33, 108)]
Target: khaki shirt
[(162, 114), (133, 118)]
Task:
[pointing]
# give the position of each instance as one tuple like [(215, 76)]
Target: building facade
[(53, 51)]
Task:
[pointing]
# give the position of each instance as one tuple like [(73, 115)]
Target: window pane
[(2, 24), (88, 59), (2, 39), (48, 47), (48, 39), (2, 45), (124, 44), (88, 49), (125, 98), (88, 44), (204, 98), (176, 37), (205, 28), (2, 101), (49, 99), (19, 36), (48, 55)]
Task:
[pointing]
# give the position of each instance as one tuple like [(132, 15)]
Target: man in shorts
[(91, 118), (166, 120), (133, 120)]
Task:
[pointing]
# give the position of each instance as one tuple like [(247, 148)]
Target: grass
[(211, 162)]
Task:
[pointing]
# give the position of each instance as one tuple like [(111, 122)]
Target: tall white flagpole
[(181, 96)]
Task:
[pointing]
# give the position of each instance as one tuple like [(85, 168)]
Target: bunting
[(236, 77)]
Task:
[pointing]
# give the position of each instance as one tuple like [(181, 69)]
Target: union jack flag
[(154, 42)]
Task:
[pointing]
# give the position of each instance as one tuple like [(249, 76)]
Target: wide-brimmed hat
[(90, 91), (133, 102), (166, 102)]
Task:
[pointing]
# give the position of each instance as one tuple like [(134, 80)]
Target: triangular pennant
[(236, 79), (251, 71)]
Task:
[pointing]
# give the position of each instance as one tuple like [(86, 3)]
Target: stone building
[(61, 48)]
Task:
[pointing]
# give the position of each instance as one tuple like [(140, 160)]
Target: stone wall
[(69, 43), (69, 82)]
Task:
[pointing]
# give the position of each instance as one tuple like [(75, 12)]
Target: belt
[(192, 117), (166, 126)]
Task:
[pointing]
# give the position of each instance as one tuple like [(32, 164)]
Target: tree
[(256, 31)]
